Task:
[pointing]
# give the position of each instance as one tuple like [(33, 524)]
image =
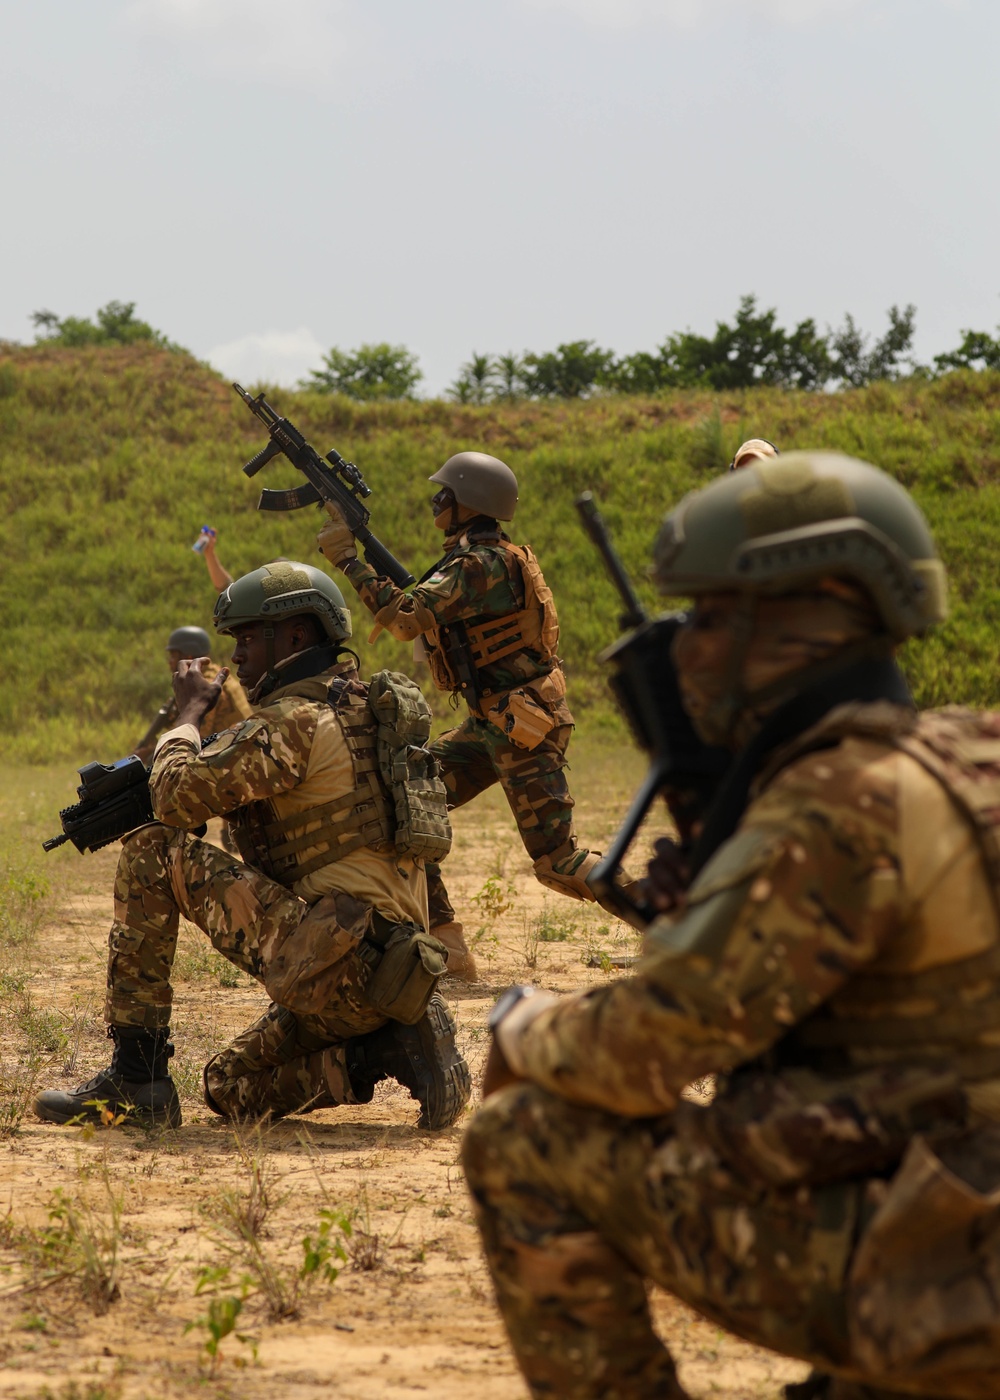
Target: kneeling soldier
[(485, 621), (835, 964), (330, 909)]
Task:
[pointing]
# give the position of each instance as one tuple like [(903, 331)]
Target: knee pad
[(572, 883)]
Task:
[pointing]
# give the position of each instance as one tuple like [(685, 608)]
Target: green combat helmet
[(481, 482), (780, 524), (280, 590), (189, 641)]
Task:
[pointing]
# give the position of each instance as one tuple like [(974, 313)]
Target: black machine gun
[(644, 683), (341, 483), (114, 800)]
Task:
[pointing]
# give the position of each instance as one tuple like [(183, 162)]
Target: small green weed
[(197, 961), (81, 1242), (38, 1031), (320, 1250), (495, 898), (240, 1215), (22, 894), (18, 1082), (554, 928), (222, 1312)]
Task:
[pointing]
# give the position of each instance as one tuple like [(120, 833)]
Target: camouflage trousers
[(475, 756), (306, 956), (578, 1208)]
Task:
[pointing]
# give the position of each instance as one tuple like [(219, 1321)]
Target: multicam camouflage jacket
[(848, 928), (295, 756), (493, 593)]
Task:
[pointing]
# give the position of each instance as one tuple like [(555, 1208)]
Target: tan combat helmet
[(483, 483), (779, 525), (752, 450)]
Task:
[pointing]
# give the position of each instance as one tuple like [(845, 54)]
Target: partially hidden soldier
[(484, 619), (835, 962), (327, 909), (753, 450), (232, 706)]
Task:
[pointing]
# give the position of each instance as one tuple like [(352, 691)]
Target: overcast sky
[(267, 178)]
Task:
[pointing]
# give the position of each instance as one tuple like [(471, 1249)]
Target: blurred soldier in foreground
[(330, 909), (753, 450), (835, 961), (484, 620), (184, 644)]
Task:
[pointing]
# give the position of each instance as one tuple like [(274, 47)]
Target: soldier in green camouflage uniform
[(834, 963), (312, 910), (484, 619)]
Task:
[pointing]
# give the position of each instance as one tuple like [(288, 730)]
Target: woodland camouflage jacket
[(475, 581)]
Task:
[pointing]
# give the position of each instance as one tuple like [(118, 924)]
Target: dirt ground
[(140, 1216)]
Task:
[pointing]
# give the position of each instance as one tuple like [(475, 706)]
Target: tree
[(853, 363), (571, 371), (381, 371), (476, 380), (977, 351), (753, 350), (508, 373), (116, 324)]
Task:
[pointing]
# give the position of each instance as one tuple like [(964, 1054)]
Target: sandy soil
[(411, 1309)]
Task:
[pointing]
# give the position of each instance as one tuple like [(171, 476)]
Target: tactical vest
[(959, 1001), (398, 803), (534, 627)]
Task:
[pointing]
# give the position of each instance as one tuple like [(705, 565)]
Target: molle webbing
[(498, 637), (362, 817), (535, 627)]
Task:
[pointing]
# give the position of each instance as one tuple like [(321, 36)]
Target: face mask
[(735, 649), (708, 655)]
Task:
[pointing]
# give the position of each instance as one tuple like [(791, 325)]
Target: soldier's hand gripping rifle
[(340, 482), (644, 683), (114, 800)]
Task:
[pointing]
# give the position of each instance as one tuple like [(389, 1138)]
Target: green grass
[(111, 459)]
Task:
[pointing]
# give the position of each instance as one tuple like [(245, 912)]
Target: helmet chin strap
[(269, 675)]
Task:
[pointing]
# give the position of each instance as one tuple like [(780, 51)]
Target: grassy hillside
[(111, 459)]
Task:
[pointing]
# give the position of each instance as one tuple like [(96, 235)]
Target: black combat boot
[(137, 1081), (818, 1386), (424, 1058), (364, 1065)]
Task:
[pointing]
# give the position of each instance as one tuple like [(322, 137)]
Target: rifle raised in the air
[(327, 479)]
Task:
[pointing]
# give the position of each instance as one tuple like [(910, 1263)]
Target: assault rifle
[(644, 683), (114, 800), (160, 721), (341, 483)]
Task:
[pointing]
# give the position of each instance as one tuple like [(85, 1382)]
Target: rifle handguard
[(382, 561)]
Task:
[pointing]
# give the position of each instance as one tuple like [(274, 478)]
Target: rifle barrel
[(593, 522)]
